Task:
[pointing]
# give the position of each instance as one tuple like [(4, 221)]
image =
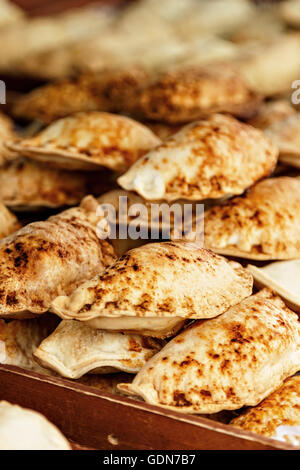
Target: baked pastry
[(45, 259), (263, 224), (282, 277), (277, 416), (24, 429), (156, 285), (211, 158), (187, 93), (74, 349), (89, 141), (101, 91), (29, 185), (285, 134), (6, 134), (234, 360), (259, 62), (20, 338), (8, 221), (272, 112)]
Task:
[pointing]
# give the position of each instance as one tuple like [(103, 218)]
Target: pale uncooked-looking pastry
[(234, 360), (160, 283), (24, 429), (48, 258), (277, 416), (210, 158), (283, 278), (20, 338), (89, 141), (263, 224), (74, 349)]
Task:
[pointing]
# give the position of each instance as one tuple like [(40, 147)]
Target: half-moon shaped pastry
[(185, 94), (24, 429), (277, 416), (29, 185), (49, 258), (20, 338), (210, 158), (74, 349), (234, 360), (169, 281), (285, 134), (283, 278), (263, 224), (89, 141)]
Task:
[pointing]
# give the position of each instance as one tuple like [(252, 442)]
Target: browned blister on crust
[(89, 141), (45, 259), (101, 91), (74, 349), (277, 416), (263, 224), (285, 134), (156, 281), (225, 363), (185, 94), (210, 158), (20, 338)]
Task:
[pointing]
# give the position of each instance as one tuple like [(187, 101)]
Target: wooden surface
[(100, 420)]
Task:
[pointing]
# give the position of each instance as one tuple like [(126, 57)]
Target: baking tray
[(100, 420)]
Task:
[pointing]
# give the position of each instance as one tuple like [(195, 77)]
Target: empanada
[(272, 112), (28, 185), (74, 349), (185, 94), (263, 224), (210, 158), (46, 259), (283, 278), (101, 91), (24, 429), (261, 64), (20, 338), (277, 416), (285, 134), (89, 141), (233, 360), (8, 221), (160, 283)]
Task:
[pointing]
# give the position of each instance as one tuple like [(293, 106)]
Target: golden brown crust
[(89, 141), (280, 409), (168, 279), (26, 184), (46, 258), (186, 94), (225, 363), (263, 224), (210, 158), (101, 91)]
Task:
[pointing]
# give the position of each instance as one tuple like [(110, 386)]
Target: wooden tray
[(100, 420)]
